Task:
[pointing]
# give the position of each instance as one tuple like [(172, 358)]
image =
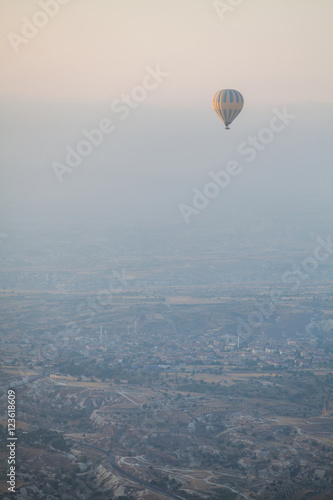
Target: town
[(136, 380)]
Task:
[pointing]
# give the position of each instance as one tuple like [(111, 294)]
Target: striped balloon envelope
[(227, 104)]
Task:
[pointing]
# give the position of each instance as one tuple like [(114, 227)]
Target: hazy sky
[(66, 74), (272, 50)]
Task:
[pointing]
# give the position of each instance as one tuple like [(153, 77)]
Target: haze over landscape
[(167, 284)]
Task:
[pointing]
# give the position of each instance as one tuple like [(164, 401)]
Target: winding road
[(128, 475)]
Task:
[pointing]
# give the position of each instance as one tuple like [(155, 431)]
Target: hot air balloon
[(227, 104)]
